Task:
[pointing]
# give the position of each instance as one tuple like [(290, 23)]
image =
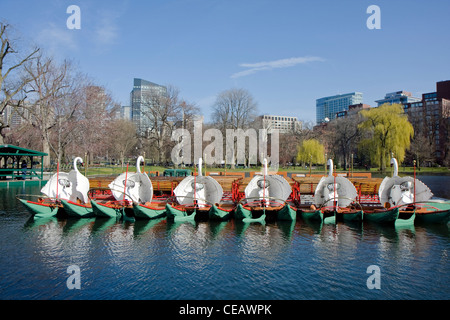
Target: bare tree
[(93, 118), (344, 137), (53, 96), (12, 80), (121, 138), (161, 112), (233, 109)]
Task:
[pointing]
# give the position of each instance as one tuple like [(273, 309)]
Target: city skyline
[(286, 54)]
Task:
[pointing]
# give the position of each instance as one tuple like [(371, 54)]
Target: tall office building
[(140, 102), (328, 107), (16, 116), (430, 117), (125, 112), (282, 123), (400, 97)]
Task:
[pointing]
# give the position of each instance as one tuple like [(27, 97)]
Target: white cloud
[(276, 64), (57, 39), (106, 31)]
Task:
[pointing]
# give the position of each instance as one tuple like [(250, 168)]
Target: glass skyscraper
[(140, 102), (400, 97), (327, 107)]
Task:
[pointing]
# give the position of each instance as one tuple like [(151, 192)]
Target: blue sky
[(285, 53)]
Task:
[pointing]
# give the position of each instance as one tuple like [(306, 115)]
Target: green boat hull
[(441, 215), (246, 215), (179, 215), (351, 216), (287, 214), (435, 217), (105, 211), (386, 216), (242, 213), (216, 213), (77, 210), (40, 211), (405, 222), (312, 215), (145, 212), (261, 219)]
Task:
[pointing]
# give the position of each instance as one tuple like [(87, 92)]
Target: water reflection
[(159, 259), (189, 240)]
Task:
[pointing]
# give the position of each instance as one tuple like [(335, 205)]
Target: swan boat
[(194, 197), (43, 207), (433, 211), (265, 197), (144, 206), (78, 204), (398, 197), (335, 198), (62, 188), (131, 197)]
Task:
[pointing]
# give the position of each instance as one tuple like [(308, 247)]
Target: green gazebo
[(18, 163)]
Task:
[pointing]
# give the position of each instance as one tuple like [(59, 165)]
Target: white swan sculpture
[(340, 189), (80, 184), (58, 186), (133, 186), (268, 187), (68, 186), (203, 189), (396, 191)]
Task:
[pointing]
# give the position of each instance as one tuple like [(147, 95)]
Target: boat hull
[(77, 210), (405, 222), (381, 216), (287, 214), (261, 219), (178, 215), (242, 213), (147, 212), (40, 210), (312, 215), (351, 216), (436, 212), (218, 213), (105, 211)]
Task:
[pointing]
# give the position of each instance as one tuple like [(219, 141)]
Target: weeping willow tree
[(311, 151), (387, 130)]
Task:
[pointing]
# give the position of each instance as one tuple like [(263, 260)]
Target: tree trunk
[(46, 149)]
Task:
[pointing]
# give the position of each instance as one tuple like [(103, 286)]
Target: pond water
[(219, 261)]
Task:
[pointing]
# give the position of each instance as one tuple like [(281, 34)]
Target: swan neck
[(330, 164), (138, 164), (395, 164), (75, 163)]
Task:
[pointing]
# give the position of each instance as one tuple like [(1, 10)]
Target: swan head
[(76, 160)]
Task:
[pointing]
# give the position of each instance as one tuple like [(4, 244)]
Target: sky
[(285, 53)]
